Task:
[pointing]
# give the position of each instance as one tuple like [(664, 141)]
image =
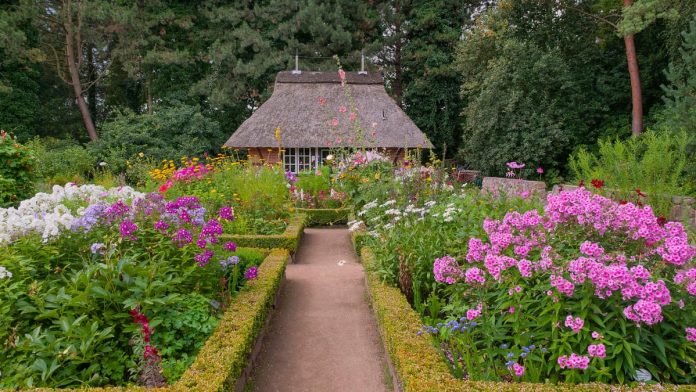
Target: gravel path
[(323, 335)]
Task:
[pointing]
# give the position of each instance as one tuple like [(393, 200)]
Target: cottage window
[(304, 158)]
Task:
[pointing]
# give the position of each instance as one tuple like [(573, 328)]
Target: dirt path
[(323, 335)]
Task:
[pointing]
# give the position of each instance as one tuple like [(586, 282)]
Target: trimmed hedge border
[(325, 216), (420, 368), (222, 360), (290, 239)]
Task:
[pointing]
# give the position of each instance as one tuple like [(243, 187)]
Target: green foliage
[(258, 194), (169, 132), (184, 327), (59, 161), (65, 308), (523, 107), (430, 77), (17, 165), (653, 163), (680, 93)]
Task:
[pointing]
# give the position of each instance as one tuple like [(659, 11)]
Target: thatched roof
[(305, 107)]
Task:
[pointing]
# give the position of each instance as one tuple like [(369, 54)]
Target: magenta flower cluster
[(597, 350), (447, 270), (575, 324), (645, 245), (574, 361)]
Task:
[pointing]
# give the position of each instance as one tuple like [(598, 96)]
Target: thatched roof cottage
[(311, 112)]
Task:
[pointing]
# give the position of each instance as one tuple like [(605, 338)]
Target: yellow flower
[(378, 175), (213, 190), (291, 209), (141, 155)]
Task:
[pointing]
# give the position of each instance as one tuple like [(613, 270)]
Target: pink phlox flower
[(446, 270)]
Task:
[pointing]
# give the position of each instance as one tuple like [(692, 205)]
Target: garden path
[(323, 335)]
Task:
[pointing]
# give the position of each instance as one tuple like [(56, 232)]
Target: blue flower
[(510, 355), (532, 347), (523, 355), (525, 349), (503, 346), (473, 323)]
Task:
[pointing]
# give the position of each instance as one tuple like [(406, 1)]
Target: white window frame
[(297, 159)]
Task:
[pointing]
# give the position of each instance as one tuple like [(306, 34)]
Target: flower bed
[(590, 289), (325, 216), (417, 363), (122, 292), (290, 239), (222, 360)]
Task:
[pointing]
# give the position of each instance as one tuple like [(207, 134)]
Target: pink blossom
[(597, 350), (334, 122), (691, 334), (517, 369), (540, 170), (447, 270), (574, 361), (474, 274), (342, 109), (575, 324), (472, 314)]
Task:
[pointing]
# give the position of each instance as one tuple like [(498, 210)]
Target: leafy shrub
[(59, 161), (65, 300), (169, 132), (653, 163), (512, 112), (17, 164), (590, 290)]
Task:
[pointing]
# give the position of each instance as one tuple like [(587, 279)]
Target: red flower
[(597, 183), (661, 220), (622, 202), (165, 187), (640, 194), (581, 183)]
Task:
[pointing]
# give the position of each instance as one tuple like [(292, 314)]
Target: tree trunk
[(637, 100), (75, 74)]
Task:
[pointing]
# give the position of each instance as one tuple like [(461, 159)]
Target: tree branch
[(596, 17)]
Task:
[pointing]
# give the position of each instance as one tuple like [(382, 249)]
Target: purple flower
[(127, 229), (116, 210), (226, 213), (232, 260), (89, 218), (201, 243), (161, 226), (212, 228), (251, 273), (182, 237), (515, 165), (97, 248), (204, 258), (230, 246)]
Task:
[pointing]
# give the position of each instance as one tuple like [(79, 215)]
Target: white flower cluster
[(4, 273), (356, 225), (47, 213)]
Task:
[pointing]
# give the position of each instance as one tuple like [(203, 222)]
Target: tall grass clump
[(652, 164)]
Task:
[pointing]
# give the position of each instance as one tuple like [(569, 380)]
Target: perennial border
[(417, 365), (325, 216), (221, 362), (289, 239)]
